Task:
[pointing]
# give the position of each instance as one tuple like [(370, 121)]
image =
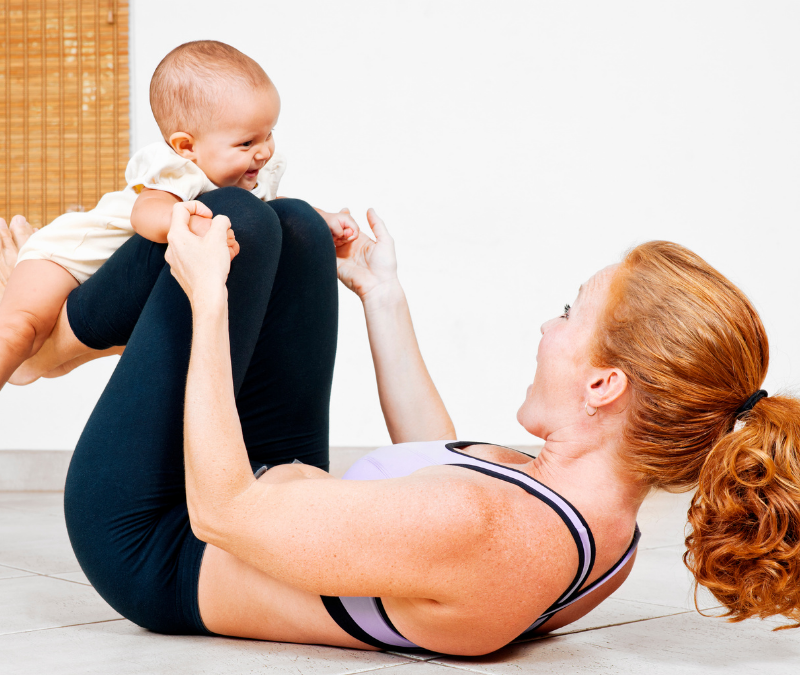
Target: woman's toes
[(21, 230)]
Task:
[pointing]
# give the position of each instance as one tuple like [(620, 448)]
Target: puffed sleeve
[(269, 177), (159, 167)]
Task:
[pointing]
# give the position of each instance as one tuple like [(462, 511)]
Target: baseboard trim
[(46, 470), (33, 470)]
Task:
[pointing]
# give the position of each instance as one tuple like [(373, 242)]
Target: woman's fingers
[(183, 211), (196, 208), (180, 220)]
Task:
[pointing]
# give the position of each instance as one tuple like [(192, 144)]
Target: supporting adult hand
[(364, 265), (200, 264)]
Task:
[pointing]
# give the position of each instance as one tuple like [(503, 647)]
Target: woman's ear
[(606, 387), (183, 144)]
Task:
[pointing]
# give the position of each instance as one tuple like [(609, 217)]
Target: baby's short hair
[(187, 85)]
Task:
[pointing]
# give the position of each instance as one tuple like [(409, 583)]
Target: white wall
[(513, 149)]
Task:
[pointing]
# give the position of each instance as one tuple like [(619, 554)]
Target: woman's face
[(564, 373)]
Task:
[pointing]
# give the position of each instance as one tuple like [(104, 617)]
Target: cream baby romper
[(81, 242)]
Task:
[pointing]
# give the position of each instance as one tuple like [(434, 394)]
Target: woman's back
[(495, 590)]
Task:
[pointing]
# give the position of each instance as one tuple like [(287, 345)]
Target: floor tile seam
[(443, 665), (661, 547), (69, 581), (372, 669), (38, 574), (683, 608), (613, 625), (69, 625), (25, 575), (550, 637), (22, 569), (458, 667), (415, 657)]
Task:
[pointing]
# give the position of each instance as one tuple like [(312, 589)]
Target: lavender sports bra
[(365, 618)]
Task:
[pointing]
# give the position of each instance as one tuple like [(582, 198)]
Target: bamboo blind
[(64, 115)]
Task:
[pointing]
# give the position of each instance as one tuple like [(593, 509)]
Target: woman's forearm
[(217, 469), (411, 405)]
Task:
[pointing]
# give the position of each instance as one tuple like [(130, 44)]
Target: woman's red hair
[(694, 349)]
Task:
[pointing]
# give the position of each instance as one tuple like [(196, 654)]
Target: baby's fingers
[(233, 245)]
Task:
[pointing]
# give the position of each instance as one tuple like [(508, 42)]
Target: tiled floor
[(52, 621)]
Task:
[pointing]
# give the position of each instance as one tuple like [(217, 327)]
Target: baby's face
[(239, 142)]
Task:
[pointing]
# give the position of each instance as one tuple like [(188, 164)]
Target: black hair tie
[(750, 403)]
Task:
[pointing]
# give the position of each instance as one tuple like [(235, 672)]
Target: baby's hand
[(199, 225), (342, 226)]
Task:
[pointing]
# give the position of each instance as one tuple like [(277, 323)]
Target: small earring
[(586, 408)]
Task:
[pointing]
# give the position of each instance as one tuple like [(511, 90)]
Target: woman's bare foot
[(12, 238)]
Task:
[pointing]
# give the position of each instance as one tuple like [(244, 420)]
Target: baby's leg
[(36, 291), (115, 294), (60, 354)]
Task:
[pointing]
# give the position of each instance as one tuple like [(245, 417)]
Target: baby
[(216, 109)]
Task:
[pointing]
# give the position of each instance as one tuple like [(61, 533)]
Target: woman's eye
[(565, 315)]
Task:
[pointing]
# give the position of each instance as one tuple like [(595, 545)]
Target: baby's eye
[(247, 144), (565, 315)]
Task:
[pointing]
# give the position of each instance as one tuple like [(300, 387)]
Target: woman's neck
[(595, 463)]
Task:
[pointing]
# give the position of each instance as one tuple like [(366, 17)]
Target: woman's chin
[(531, 426)]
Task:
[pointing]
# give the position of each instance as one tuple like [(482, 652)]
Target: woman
[(465, 547)]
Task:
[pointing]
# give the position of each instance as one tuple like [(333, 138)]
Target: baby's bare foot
[(40, 365), (12, 238), (21, 230)]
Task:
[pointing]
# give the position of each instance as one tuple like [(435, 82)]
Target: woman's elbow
[(206, 524)]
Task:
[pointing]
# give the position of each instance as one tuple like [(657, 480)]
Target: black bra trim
[(342, 617)]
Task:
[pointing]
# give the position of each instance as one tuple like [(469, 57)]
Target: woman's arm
[(320, 534), (411, 405), (423, 542)]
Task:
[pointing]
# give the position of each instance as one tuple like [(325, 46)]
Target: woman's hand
[(200, 264), (365, 265)]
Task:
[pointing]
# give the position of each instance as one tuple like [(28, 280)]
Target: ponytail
[(744, 546)]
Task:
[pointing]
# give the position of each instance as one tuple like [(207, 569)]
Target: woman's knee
[(254, 223), (301, 223)]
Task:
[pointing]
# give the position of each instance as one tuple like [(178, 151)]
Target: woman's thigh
[(125, 500), (285, 397)]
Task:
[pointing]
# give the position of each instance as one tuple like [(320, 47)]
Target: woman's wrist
[(386, 294), (210, 302)]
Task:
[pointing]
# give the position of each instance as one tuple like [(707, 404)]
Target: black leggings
[(125, 500)]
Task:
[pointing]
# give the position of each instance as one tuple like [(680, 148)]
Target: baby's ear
[(183, 144)]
